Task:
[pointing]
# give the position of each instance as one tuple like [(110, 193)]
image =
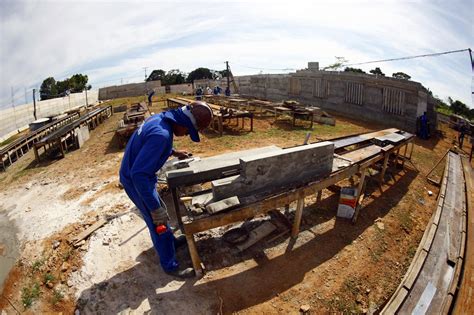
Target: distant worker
[(150, 97), (199, 93), (216, 90), (146, 152), (424, 126), (227, 91), (208, 90), (462, 133)]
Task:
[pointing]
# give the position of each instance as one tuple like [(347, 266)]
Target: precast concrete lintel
[(270, 170)]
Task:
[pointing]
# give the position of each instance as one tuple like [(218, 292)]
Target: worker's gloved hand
[(181, 154), (159, 216)]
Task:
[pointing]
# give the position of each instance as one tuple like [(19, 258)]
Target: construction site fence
[(17, 118)]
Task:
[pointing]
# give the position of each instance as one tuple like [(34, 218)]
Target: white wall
[(18, 118)]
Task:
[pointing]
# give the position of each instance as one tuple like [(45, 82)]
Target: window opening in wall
[(354, 93), (393, 101)]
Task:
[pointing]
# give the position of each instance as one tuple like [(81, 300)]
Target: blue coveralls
[(146, 152)]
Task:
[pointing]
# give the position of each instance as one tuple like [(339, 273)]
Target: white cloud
[(109, 41)]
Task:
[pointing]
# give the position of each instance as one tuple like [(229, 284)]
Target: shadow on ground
[(146, 287)]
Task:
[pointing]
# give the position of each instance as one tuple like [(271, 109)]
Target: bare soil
[(332, 266)]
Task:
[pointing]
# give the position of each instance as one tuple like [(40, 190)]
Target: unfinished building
[(371, 98)]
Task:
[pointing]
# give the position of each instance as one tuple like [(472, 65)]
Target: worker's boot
[(182, 273)]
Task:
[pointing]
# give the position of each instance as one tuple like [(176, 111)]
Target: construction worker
[(150, 97), (146, 152)]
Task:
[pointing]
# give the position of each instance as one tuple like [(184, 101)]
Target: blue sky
[(113, 41)]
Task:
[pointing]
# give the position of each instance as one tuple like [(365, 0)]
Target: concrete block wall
[(18, 118), (129, 90), (391, 102), (181, 88)]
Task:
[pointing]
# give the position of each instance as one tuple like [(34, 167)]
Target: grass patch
[(405, 220), (57, 297), (47, 277), (30, 294), (380, 244), (37, 264), (411, 251)]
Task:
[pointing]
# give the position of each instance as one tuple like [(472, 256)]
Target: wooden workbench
[(346, 164)]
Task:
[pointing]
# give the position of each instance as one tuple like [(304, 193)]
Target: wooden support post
[(312, 118), (251, 122), (196, 260), (405, 155), (384, 167), (411, 151), (298, 216), (177, 211), (35, 149), (360, 194), (61, 148), (319, 195)]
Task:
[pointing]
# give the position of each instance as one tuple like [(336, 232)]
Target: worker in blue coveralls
[(146, 152)]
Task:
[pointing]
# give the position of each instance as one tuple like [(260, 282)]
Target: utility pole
[(34, 103), (145, 87), (87, 103), (228, 74)]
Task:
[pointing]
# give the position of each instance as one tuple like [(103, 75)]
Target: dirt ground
[(333, 265)]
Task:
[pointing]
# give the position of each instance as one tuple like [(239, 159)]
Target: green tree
[(78, 83), (377, 71), (200, 73), (401, 75), (156, 75), (174, 76), (63, 87), (340, 61), (356, 70), (48, 89), (460, 108)]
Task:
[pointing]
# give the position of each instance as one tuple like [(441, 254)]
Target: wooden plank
[(257, 234), (91, 229), (465, 296), (414, 269), (395, 301), (196, 260)]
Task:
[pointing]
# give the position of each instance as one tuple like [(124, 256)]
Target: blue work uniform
[(146, 152)]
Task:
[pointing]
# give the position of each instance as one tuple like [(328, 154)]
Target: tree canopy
[(200, 73), (401, 75), (174, 76), (156, 75), (356, 70), (377, 71), (50, 88)]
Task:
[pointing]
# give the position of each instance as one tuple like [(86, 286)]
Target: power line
[(409, 57), (257, 68)]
